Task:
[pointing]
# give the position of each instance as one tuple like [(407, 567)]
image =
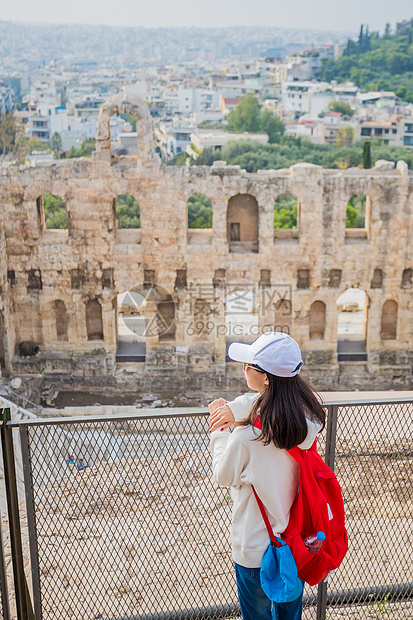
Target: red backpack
[(318, 506)]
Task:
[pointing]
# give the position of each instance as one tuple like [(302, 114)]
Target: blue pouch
[(278, 574)]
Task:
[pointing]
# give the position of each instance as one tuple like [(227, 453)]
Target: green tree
[(8, 133), (57, 144), (246, 116), (356, 211), (345, 136), (199, 211), (272, 125), (366, 154), (54, 211), (351, 216), (86, 149), (128, 213), (285, 211), (341, 106)]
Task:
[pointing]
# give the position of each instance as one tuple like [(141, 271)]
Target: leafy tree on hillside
[(377, 62), (356, 211), (249, 117), (128, 214), (57, 144), (285, 211), (367, 154), (86, 149), (199, 211), (341, 106), (54, 211)]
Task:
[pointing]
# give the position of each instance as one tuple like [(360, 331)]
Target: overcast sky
[(316, 14)]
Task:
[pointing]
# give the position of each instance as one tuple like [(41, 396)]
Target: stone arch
[(94, 321), (131, 326), (283, 310), (377, 280), (60, 315), (407, 276), (157, 306), (242, 223), (317, 320), (199, 219), (125, 102), (358, 210), (286, 216), (51, 212), (388, 329), (352, 307)]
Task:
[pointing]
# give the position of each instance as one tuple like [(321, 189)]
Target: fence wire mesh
[(129, 523)]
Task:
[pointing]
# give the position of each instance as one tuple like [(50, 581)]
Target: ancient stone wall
[(81, 270)]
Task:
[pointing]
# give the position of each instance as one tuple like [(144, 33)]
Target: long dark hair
[(283, 408)]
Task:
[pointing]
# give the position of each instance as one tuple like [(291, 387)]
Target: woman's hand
[(221, 415)]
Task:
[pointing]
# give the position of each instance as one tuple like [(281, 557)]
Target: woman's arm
[(224, 413), (229, 458)]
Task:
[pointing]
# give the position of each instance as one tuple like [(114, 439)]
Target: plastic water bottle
[(313, 543)]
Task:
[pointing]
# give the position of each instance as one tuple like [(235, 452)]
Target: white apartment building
[(407, 132), (306, 97), (172, 139), (388, 132), (43, 91), (45, 120), (197, 100)]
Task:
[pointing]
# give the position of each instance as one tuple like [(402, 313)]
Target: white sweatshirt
[(238, 462)]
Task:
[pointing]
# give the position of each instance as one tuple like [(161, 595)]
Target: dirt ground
[(151, 534)]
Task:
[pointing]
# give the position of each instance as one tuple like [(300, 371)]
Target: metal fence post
[(3, 580), (330, 454), (31, 521), (23, 602)]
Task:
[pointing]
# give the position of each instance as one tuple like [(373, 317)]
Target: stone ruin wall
[(93, 260)]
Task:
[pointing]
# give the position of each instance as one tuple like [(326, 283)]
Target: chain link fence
[(127, 523)]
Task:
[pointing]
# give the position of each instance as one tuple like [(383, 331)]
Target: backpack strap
[(266, 520), (299, 454)]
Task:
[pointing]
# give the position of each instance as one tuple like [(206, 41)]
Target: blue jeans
[(254, 603)]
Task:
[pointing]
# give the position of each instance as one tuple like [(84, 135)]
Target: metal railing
[(126, 523)]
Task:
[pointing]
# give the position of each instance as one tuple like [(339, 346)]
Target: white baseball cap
[(275, 352)]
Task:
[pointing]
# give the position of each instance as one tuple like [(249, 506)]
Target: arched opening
[(166, 317), (146, 311), (407, 276), (358, 216), (127, 214), (54, 209), (241, 318), (377, 280), (352, 308), (317, 320), (389, 320), (199, 219), (283, 310), (242, 223), (61, 320), (286, 217), (131, 326), (126, 106), (94, 322)]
